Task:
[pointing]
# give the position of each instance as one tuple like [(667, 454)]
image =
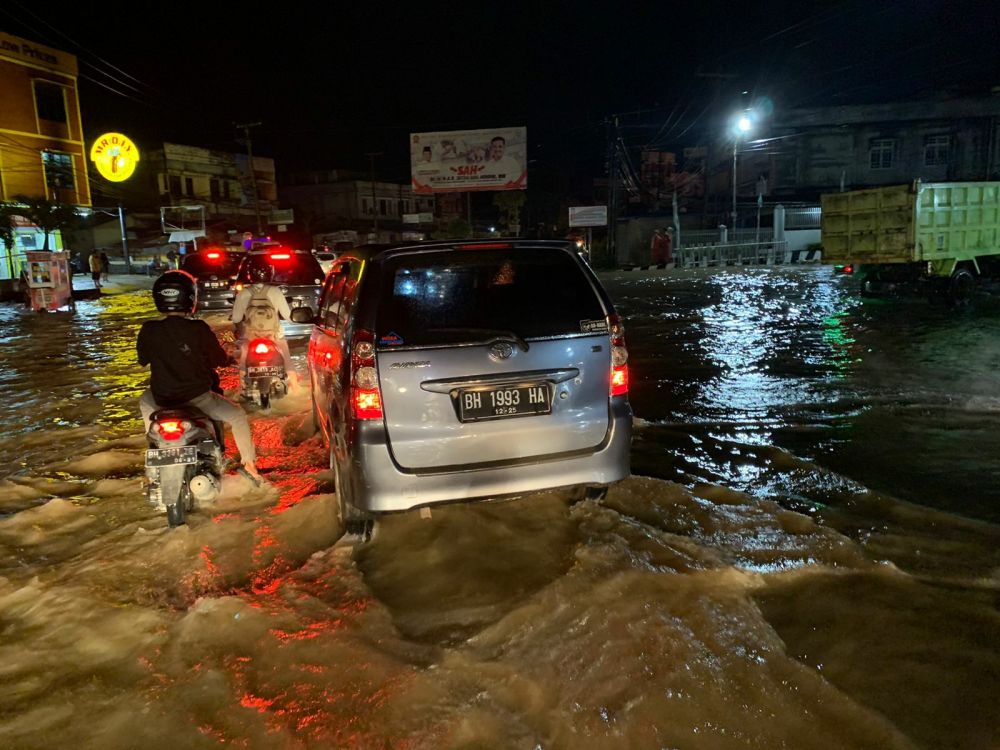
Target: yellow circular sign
[(115, 156)]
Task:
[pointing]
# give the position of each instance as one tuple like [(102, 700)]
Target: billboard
[(467, 160)]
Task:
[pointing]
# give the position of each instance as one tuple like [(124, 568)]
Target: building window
[(175, 185), (58, 170), (49, 102), (189, 186), (881, 153), (936, 150)]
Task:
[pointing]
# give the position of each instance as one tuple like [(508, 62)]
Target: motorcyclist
[(182, 353), (257, 313)]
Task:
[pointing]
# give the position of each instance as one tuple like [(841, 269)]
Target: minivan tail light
[(619, 357), (366, 398)]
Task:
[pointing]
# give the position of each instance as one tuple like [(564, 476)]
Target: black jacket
[(182, 354)]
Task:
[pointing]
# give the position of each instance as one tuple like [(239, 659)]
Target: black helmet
[(175, 291), (261, 273)]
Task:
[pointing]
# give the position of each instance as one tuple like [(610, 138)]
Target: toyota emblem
[(501, 350)]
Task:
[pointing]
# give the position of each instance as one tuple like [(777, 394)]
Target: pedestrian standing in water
[(95, 269)]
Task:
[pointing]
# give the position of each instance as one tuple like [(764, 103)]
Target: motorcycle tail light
[(261, 347), (172, 429)]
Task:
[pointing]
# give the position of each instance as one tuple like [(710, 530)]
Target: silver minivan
[(468, 370)]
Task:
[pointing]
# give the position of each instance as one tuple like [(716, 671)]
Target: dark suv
[(465, 371), (215, 270), (300, 278)]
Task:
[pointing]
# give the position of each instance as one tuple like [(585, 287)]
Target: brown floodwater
[(806, 556)]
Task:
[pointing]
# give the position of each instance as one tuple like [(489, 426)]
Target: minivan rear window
[(299, 269), (455, 296), (221, 264)]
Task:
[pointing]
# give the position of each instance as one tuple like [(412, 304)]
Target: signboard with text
[(469, 160), (281, 216), (588, 216)]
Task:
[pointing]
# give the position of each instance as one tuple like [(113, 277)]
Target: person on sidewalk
[(105, 267), (661, 248), (95, 269), (182, 354)]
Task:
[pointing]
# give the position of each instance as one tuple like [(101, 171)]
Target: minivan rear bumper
[(381, 486)]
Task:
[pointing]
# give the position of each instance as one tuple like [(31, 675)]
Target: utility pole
[(718, 78), (253, 173), (371, 155), (612, 124)]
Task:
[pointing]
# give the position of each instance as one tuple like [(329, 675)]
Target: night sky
[(331, 82)]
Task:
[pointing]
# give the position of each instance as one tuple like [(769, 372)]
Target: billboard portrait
[(466, 160)]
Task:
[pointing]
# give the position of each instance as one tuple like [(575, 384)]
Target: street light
[(742, 125)]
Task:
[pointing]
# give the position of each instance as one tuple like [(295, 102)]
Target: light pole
[(742, 125)]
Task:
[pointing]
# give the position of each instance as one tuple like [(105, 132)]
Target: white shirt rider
[(277, 300)]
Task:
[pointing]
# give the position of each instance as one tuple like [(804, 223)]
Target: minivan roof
[(373, 250)]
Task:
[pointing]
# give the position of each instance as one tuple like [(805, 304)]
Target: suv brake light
[(619, 357), (366, 398)]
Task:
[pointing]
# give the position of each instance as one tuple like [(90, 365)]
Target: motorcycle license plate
[(273, 371), (186, 454)]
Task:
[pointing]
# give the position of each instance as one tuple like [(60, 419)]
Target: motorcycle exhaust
[(204, 487)]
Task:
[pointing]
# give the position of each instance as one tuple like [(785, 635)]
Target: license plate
[(185, 454), (504, 401), (216, 285), (273, 371)]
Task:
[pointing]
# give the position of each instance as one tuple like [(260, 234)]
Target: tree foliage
[(7, 214), (47, 215)]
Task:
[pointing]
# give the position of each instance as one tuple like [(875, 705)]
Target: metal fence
[(732, 254)]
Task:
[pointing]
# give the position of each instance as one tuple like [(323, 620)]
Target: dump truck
[(938, 238)]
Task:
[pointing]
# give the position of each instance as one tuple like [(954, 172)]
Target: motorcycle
[(184, 461), (264, 375)]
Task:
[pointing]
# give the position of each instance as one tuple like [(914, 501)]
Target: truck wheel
[(961, 288)]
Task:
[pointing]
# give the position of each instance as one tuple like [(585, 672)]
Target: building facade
[(220, 181), (326, 204), (42, 150), (809, 152)]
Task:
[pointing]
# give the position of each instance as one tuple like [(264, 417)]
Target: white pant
[(216, 407)]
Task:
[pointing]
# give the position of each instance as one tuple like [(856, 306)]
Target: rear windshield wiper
[(491, 334)]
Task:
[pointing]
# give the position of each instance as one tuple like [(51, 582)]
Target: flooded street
[(807, 554)]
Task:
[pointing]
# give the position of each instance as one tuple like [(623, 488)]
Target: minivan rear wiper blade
[(491, 334)]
